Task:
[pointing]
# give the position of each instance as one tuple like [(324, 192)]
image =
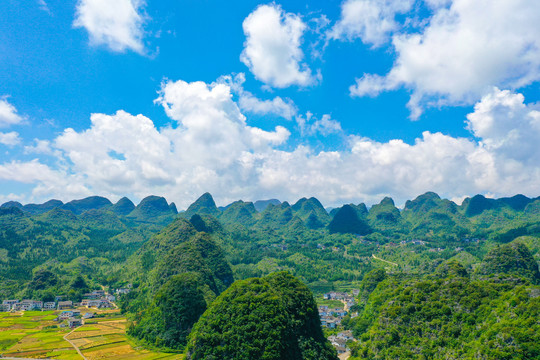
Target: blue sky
[(347, 101)]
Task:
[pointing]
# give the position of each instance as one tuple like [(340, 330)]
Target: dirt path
[(388, 262), (345, 305), (344, 356), (74, 346)]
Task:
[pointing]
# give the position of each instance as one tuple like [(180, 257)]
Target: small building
[(346, 335), (105, 304), (49, 305), (62, 305), (5, 307), (73, 323), (91, 296), (338, 312), (88, 315), (10, 303), (331, 324), (66, 314), (31, 305), (91, 303)]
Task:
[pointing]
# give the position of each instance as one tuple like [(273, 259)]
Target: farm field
[(37, 335), (34, 334)]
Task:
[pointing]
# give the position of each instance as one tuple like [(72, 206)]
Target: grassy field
[(330, 303), (34, 334), (37, 335)]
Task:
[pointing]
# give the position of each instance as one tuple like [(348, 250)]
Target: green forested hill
[(449, 318), (179, 272), (273, 318), (432, 249)]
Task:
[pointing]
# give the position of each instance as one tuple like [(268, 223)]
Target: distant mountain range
[(349, 218)]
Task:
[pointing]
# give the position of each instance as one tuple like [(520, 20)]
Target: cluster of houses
[(73, 317), (27, 305), (332, 317), (345, 298), (339, 341), (98, 299), (69, 314), (124, 291)]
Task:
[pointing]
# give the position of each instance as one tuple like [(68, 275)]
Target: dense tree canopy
[(274, 317)]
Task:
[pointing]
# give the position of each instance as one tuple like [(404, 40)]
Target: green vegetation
[(274, 317), (181, 271), (451, 317), (513, 259), (176, 307), (436, 279)]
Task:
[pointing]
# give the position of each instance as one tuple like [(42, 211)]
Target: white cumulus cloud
[(251, 104), (465, 50), (117, 24), (325, 126), (272, 49), (370, 20), (509, 127), (210, 147), (8, 113), (10, 138)]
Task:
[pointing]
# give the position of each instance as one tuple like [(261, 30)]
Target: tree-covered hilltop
[(511, 259), (449, 318), (274, 317), (453, 314), (180, 271), (169, 318)]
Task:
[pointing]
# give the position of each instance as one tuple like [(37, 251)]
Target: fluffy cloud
[(8, 113), (116, 24), (465, 50), (325, 126), (272, 48), (251, 104), (370, 20), (507, 126), (40, 147), (210, 147), (10, 138)]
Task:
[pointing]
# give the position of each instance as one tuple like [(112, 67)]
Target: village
[(332, 318), (71, 314)]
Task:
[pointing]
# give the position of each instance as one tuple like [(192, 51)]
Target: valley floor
[(36, 334)]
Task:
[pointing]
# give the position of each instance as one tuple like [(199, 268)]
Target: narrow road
[(74, 346), (389, 262), (345, 305)]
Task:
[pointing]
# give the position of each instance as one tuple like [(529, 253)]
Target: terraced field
[(34, 334), (37, 335)]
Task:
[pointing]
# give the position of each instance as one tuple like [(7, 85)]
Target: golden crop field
[(37, 335)]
